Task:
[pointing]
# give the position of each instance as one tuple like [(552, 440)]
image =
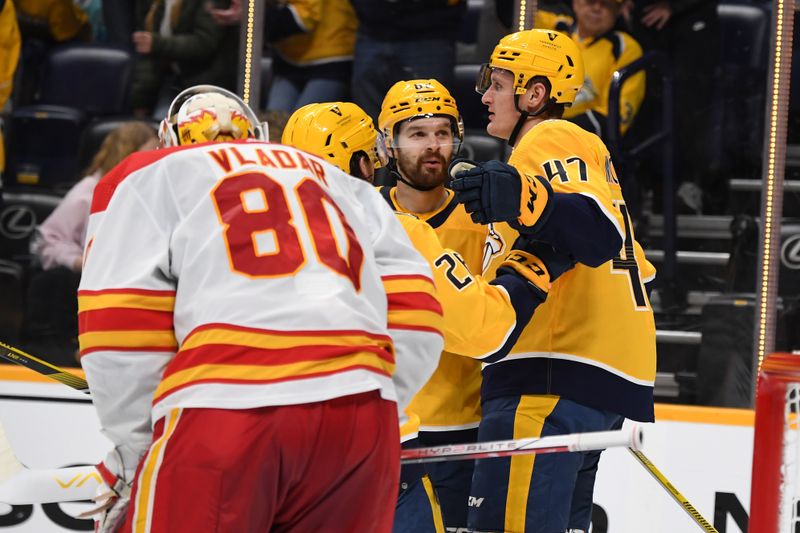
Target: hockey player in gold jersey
[(586, 360), (480, 319), (423, 130)]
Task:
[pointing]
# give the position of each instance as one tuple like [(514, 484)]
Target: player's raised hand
[(495, 192)]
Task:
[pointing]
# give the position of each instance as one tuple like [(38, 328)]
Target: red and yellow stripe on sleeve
[(413, 304), (226, 353), (126, 320)]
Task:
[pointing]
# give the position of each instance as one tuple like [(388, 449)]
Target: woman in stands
[(52, 307), (59, 241)]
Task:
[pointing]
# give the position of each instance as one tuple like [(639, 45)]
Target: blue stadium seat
[(479, 146), (473, 112), (741, 86), (745, 33), (89, 77), (468, 33), (43, 146)]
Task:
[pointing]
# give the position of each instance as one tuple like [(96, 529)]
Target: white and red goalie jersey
[(246, 274)]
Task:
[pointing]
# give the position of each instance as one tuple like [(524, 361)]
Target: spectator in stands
[(9, 56), (276, 122), (605, 51), (60, 237), (59, 20), (9, 50), (94, 13), (396, 41), (179, 45), (52, 307), (313, 49)]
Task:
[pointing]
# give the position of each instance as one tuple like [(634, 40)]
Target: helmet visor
[(380, 155), (484, 79)]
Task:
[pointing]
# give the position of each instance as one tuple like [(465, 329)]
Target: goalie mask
[(336, 131), (205, 113)]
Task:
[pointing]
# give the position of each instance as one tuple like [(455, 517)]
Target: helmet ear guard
[(204, 113)]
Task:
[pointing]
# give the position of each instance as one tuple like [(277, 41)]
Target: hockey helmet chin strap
[(423, 188), (523, 116)]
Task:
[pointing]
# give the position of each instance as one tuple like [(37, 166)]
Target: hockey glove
[(537, 262), (495, 192), (113, 495)]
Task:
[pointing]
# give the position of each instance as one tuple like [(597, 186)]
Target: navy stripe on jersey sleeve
[(524, 303), (577, 226)]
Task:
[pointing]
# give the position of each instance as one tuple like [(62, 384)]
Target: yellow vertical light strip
[(525, 12), (248, 53), (772, 187)]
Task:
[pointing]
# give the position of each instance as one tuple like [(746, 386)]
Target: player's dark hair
[(355, 168)]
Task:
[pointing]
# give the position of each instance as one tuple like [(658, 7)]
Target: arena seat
[(741, 85), (473, 112), (43, 143), (478, 146), (89, 77)]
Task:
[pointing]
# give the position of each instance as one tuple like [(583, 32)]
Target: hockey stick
[(576, 442), (676, 495), (15, 355), (20, 485)]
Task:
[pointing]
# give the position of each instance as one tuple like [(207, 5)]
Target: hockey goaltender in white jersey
[(249, 315)]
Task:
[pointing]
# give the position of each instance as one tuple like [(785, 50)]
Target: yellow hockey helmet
[(206, 113), (537, 52), (335, 131), (418, 99)]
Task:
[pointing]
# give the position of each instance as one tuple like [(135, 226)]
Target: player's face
[(424, 148), (595, 17), (499, 98)]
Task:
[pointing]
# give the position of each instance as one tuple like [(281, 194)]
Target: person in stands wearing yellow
[(605, 51), (9, 45), (587, 360)]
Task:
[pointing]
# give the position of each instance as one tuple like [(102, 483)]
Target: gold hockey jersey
[(593, 339), (450, 400)]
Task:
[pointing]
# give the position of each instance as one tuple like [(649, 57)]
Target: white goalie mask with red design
[(205, 113)]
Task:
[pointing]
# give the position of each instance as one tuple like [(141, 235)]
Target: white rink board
[(701, 460)]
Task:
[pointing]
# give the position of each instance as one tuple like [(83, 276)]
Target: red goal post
[(775, 487)]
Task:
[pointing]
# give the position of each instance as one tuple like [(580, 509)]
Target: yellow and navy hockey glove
[(537, 262), (495, 192)]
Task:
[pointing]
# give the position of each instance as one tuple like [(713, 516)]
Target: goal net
[(775, 488)]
